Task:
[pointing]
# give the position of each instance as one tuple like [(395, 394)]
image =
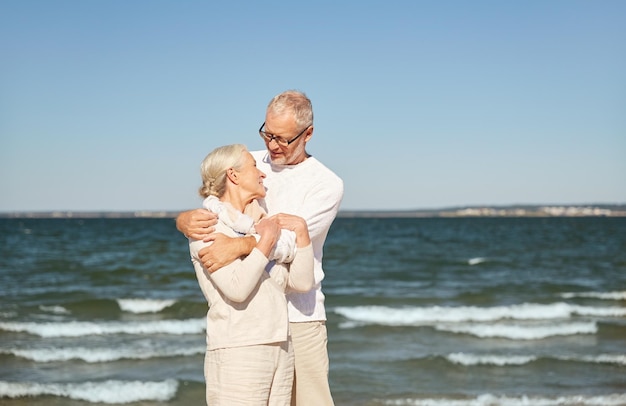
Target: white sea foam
[(476, 261), (54, 309), (601, 359), (505, 360), (351, 324), (520, 332), (94, 355), (494, 400), (436, 314), (84, 328), (599, 311), (596, 295), (95, 392), (144, 305), (499, 360)]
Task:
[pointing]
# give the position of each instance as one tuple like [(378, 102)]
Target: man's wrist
[(180, 223)]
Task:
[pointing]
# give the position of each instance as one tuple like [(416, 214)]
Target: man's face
[(284, 126)]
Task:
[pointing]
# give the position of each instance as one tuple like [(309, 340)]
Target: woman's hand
[(269, 230), (295, 224)]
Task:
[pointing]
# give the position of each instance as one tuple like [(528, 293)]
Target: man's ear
[(232, 175), (308, 134)]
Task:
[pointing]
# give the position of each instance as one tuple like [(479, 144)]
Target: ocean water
[(429, 311)]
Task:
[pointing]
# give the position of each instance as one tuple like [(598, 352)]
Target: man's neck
[(298, 162)]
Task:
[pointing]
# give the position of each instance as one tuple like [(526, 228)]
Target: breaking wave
[(493, 400), (95, 392), (84, 328)]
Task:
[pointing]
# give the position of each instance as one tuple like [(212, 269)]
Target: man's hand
[(224, 250), (295, 224), (197, 224)]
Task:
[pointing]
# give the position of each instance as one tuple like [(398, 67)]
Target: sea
[(421, 312)]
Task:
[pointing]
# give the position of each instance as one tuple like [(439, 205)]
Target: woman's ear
[(232, 175)]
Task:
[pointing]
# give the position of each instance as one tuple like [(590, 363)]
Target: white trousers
[(252, 376), (310, 385)]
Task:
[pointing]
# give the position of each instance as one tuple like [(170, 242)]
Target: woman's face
[(251, 178)]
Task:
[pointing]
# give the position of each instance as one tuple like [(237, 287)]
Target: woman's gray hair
[(213, 168), (295, 102)]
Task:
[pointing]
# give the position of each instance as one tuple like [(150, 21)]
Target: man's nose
[(273, 139)]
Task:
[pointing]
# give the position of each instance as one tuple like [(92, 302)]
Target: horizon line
[(510, 210)]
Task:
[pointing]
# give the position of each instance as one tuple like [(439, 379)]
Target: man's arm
[(321, 207), (197, 224), (224, 250)]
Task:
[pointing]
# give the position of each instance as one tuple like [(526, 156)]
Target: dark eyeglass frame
[(279, 140)]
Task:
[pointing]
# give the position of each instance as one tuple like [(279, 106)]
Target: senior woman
[(249, 358)]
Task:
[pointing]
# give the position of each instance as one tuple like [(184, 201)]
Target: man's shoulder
[(317, 181), (323, 172)]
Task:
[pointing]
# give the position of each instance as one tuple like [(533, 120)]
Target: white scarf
[(239, 222)]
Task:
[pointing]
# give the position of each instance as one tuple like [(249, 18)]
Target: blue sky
[(111, 105)]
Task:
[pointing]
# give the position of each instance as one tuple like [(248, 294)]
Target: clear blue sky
[(111, 105)]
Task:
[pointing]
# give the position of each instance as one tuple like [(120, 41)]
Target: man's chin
[(277, 159)]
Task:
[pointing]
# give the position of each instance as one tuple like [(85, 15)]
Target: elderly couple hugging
[(261, 270)]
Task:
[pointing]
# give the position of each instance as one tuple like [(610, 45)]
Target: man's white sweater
[(312, 191)]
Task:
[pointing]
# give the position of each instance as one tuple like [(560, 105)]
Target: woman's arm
[(238, 279), (301, 275)]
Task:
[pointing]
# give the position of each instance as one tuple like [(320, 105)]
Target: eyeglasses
[(279, 140)]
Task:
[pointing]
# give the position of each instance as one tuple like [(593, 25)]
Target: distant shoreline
[(593, 210)]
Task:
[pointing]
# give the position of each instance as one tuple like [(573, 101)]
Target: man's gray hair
[(293, 101)]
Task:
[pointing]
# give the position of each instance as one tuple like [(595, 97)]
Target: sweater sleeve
[(237, 280), (285, 248), (301, 276)]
